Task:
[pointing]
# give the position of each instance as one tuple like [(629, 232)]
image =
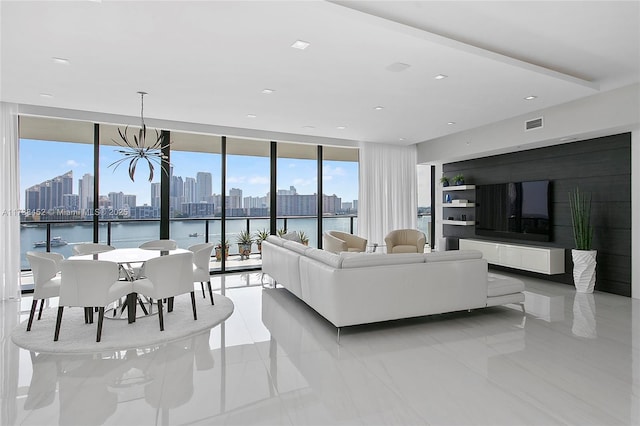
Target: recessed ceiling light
[(46, 95), (60, 60), (341, 127), (530, 98), (299, 44), (401, 139), (440, 77), (378, 108), (451, 123), (251, 116), (267, 91), (308, 127)]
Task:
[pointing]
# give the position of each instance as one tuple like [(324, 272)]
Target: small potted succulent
[(458, 179), (281, 232), (260, 237), (244, 241), (444, 181), (304, 239), (222, 249)]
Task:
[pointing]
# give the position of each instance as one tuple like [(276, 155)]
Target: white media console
[(545, 260)]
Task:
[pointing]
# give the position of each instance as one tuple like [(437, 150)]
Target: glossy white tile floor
[(572, 359)]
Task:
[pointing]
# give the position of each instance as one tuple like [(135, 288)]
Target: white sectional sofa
[(360, 288)]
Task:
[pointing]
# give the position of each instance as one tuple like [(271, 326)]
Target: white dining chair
[(90, 284), (201, 258), (166, 277), (46, 280), (159, 245), (90, 248)]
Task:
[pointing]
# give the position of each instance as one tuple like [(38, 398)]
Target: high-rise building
[(204, 186), (116, 200), (85, 193), (155, 195), (49, 194), (189, 194), (234, 201)]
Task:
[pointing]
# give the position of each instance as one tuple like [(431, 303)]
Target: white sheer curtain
[(9, 204), (387, 197)]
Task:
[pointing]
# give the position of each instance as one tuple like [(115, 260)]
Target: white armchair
[(337, 242), (46, 281), (166, 277), (159, 245), (201, 258), (91, 248), (90, 284), (405, 241)]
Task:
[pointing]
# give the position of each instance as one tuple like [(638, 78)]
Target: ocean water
[(132, 234)]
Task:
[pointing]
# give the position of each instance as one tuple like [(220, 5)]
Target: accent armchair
[(336, 242), (405, 241)]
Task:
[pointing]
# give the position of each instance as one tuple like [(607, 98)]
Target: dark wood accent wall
[(599, 166)]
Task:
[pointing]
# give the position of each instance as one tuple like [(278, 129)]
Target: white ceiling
[(208, 61)]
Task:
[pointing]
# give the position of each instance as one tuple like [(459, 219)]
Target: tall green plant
[(580, 205)]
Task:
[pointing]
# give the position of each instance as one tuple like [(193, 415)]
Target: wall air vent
[(536, 123)]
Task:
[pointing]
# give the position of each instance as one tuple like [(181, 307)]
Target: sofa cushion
[(326, 257), (363, 260), (276, 240), (440, 256), (404, 248), (294, 246), (500, 285)]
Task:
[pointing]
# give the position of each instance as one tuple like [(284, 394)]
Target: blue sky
[(43, 160)]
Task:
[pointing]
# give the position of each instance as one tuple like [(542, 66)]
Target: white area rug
[(78, 337)]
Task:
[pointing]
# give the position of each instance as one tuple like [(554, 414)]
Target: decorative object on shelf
[(458, 180), (447, 198), (139, 149), (444, 181), (584, 257), (244, 241), (220, 250)]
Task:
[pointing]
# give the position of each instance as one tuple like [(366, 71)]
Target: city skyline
[(47, 159)]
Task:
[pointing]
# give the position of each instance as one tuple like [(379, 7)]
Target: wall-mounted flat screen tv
[(515, 210)]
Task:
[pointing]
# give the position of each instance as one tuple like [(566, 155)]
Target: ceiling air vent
[(536, 123)]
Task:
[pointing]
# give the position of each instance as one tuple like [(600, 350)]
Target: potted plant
[(584, 257), (244, 241), (220, 249), (304, 239), (444, 181), (260, 237), (458, 179), (281, 232)]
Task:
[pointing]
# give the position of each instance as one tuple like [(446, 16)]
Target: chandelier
[(137, 150)]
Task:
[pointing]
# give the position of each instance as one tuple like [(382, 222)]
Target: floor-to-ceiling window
[(340, 189), (425, 190), (56, 183), (247, 200), (297, 194), (209, 178), (128, 210)]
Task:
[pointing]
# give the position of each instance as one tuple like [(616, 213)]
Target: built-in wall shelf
[(544, 260), (458, 187), (458, 204), (459, 222)]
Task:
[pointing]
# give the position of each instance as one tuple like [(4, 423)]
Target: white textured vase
[(584, 270)]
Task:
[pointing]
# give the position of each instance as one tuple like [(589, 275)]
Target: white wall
[(603, 114)]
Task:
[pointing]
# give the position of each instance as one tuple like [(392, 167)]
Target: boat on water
[(55, 242), (193, 234)]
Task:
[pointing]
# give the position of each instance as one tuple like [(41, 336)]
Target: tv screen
[(515, 210)]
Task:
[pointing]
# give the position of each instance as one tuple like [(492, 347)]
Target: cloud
[(72, 163), (302, 182), (236, 179), (333, 171), (259, 180)]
